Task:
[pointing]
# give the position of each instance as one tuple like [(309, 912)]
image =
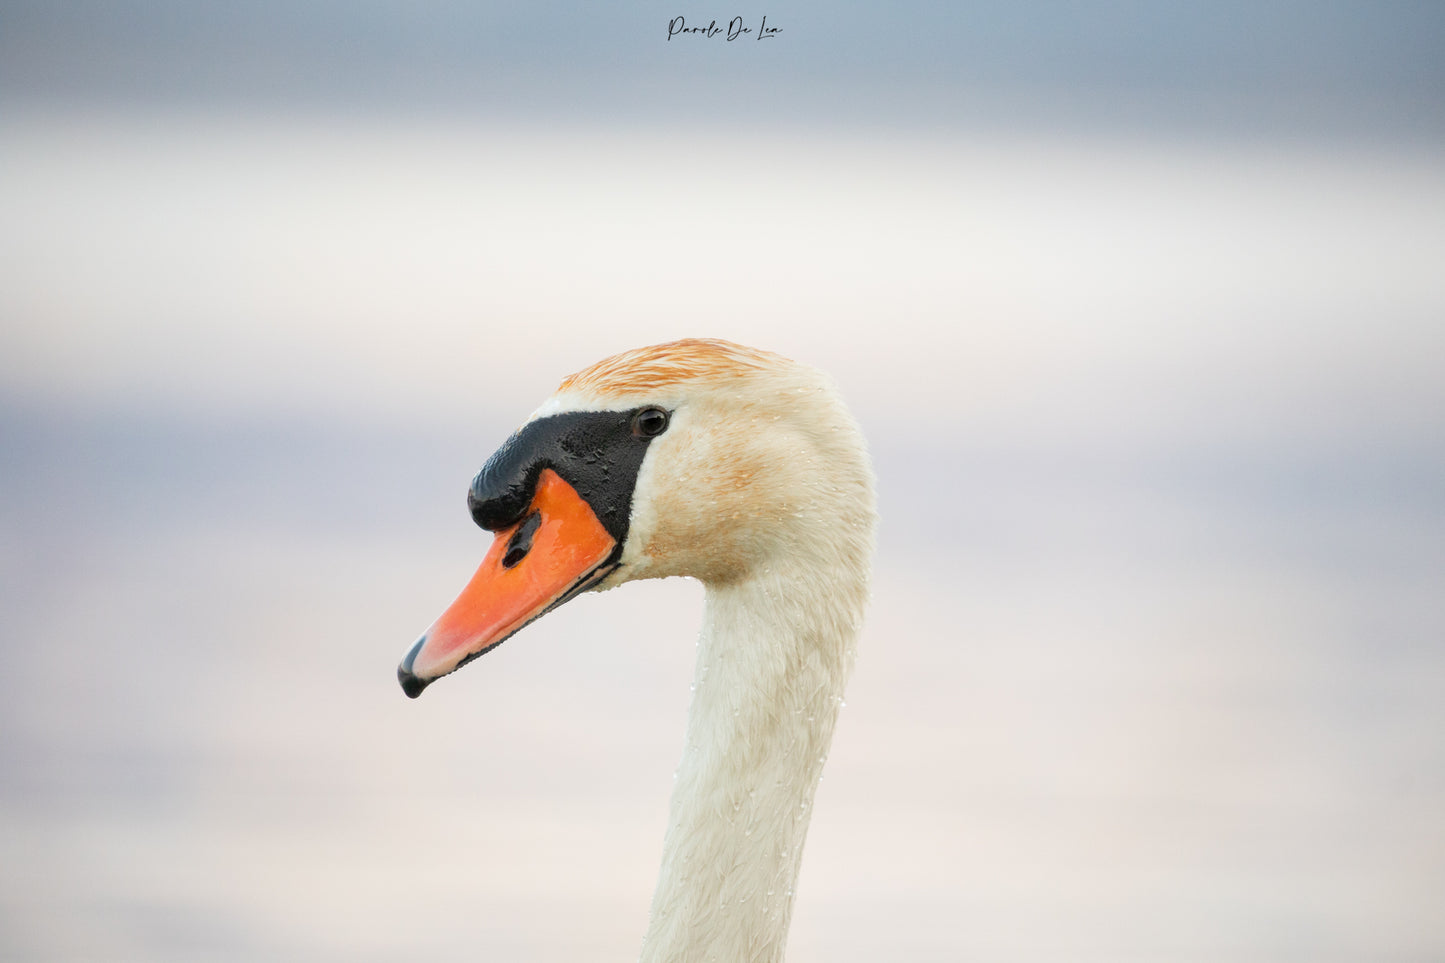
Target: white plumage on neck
[(768, 686), (762, 489)]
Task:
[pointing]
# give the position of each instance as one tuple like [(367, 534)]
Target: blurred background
[(1141, 306)]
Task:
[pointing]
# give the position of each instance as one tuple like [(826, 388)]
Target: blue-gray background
[(1141, 306)]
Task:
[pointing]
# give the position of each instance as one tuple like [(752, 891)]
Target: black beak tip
[(411, 683)]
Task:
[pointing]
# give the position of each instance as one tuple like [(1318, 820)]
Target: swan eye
[(649, 422)]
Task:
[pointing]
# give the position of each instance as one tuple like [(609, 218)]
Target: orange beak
[(555, 552)]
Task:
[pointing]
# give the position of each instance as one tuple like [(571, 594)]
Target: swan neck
[(773, 658)]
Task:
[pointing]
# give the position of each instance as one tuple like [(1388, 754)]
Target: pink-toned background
[(1146, 330)]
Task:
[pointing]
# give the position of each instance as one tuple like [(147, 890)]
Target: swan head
[(694, 458)]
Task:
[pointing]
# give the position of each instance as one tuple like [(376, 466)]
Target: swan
[(744, 470)]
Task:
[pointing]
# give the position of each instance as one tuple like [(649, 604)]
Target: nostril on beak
[(521, 541)]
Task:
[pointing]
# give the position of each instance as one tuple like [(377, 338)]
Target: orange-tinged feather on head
[(662, 365)]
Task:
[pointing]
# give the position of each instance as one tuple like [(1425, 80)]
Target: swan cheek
[(556, 551)]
